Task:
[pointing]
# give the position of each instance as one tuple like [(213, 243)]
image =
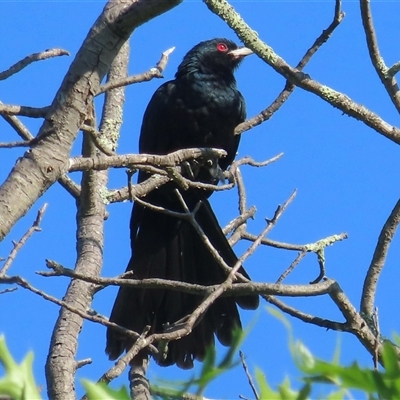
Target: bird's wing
[(156, 135)]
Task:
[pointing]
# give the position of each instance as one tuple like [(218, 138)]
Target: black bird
[(199, 108)]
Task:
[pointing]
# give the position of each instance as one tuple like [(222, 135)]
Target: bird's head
[(213, 56)]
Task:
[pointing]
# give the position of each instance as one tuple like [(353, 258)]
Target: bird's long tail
[(170, 248)]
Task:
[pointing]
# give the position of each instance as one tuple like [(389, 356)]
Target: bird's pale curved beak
[(240, 52)]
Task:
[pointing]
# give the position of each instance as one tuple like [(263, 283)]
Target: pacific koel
[(199, 108)]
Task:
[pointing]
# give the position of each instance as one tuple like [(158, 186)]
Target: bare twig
[(237, 233), (94, 317), (82, 363), (308, 318), (10, 145), (30, 59), (25, 111), (155, 72), (289, 87), (296, 77), (122, 363), (394, 69), (355, 323), (292, 266), (240, 220), (253, 163), (70, 186), (8, 290), (274, 243), (154, 283), (312, 247), (175, 173), (239, 224), (319, 249), (97, 139), (270, 224), (138, 190), (388, 80), (321, 262), (66, 182), (241, 190), (250, 379), (18, 126), (22, 241)]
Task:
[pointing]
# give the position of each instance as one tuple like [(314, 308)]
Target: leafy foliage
[(18, 382), (210, 371), (374, 384), (97, 391)]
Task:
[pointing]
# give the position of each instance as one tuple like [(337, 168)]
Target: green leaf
[(18, 382), (304, 392), (302, 356), (338, 395), (390, 360), (208, 369), (286, 392), (266, 393), (336, 354), (97, 391), (396, 338)]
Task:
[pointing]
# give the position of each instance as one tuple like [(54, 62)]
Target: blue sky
[(345, 173)]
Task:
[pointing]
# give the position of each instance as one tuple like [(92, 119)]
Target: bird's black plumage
[(199, 108)]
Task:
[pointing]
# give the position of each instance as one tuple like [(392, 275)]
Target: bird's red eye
[(222, 47)]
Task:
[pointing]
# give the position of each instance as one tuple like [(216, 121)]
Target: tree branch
[(307, 318), (22, 241), (338, 100), (38, 169), (61, 364), (378, 261), (249, 378), (238, 289), (18, 126), (127, 160), (289, 87), (356, 324), (92, 316), (25, 111), (30, 59), (155, 72), (388, 80)]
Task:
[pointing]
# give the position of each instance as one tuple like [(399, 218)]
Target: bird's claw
[(215, 171), (191, 169)]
